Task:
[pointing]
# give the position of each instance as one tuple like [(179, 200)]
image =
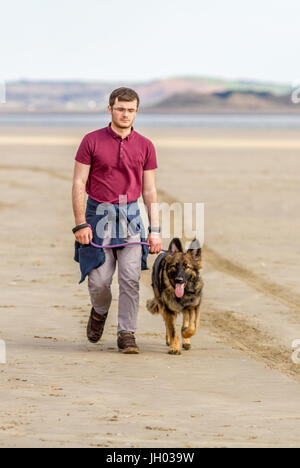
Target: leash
[(121, 245)]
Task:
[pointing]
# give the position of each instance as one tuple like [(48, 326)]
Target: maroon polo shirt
[(117, 164)]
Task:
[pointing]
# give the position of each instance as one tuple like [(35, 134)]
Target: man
[(115, 165)]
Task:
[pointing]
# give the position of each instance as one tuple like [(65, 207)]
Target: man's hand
[(84, 236), (155, 243)]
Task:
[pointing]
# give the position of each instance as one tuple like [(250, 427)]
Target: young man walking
[(115, 165)]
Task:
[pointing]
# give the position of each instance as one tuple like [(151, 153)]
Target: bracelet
[(80, 226), (154, 229)]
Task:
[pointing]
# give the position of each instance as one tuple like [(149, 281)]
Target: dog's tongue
[(179, 289)]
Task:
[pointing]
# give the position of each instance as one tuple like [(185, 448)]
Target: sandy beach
[(238, 385)]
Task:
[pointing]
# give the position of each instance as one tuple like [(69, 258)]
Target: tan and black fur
[(178, 271)]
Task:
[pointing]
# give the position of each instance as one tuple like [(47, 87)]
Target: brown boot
[(127, 344), (95, 326)]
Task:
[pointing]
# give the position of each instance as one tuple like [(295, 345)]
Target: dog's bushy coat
[(177, 286)]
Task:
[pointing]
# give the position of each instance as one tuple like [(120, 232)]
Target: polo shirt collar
[(118, 137)]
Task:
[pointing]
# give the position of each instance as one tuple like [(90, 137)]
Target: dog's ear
[(175, 245), (195, 249)]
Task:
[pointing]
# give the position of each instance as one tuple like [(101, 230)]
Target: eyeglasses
[(122, 109)]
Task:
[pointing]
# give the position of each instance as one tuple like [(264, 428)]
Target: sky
[(139, 40)]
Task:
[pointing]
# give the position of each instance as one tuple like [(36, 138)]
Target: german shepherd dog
[(177, 287)]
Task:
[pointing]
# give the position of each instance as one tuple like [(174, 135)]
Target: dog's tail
[(153, 306)]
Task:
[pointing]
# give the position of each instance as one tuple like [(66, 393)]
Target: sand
[(238, 386)]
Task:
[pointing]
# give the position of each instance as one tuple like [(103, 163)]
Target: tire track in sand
[(240, 333), (39, 170)]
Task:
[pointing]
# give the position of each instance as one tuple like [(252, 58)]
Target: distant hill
[(225, 101), (178, 94)]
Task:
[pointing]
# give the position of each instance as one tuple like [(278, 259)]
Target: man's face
[(123, 113)]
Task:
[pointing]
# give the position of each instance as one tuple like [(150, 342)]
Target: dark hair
[(123, 94)]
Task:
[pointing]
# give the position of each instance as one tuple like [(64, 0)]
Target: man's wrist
[(152, 229), (154, 234), (80, 226), (80, 221)]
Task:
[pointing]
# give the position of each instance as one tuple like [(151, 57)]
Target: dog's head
[(183, 268)]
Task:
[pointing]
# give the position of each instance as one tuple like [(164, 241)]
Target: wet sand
[(238, 385)]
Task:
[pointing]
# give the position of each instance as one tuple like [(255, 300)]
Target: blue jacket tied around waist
[(125, 218)]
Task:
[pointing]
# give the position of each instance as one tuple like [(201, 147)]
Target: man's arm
[(81, 173), (149, 194)]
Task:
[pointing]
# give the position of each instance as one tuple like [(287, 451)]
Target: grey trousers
[(129, 273)]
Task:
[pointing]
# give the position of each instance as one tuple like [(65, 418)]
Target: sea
[(155, 120)]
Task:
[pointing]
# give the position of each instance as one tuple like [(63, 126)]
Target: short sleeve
[(84, 153), (151, 161)]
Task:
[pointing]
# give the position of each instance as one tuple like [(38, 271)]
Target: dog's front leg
[(194, 322), (171, 332), (186, 342)]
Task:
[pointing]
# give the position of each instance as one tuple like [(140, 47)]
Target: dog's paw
[(174, 351), (186, 346)]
